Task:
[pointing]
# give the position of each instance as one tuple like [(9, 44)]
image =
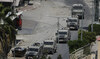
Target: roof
[(63, 30), (98, 38), (78, 10), (6, 0), (72, 18), (77, 5), (48, 40)]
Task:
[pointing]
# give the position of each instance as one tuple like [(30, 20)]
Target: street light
[(57, 25), (58, 29), (82, 24), (92, 16)]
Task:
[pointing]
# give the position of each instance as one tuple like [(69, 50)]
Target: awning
[(6, 0)]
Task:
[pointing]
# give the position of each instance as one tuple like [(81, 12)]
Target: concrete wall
[(98, 49)]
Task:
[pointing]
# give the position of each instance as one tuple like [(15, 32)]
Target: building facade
[(12, 2)]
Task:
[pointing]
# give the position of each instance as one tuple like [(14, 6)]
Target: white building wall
[(6, 0)]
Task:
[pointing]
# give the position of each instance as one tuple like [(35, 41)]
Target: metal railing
[(2, 56), (81, 52)]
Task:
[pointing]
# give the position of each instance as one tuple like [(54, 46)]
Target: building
[(12, 2), (6, 2)]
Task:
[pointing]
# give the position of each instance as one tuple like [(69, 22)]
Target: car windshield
[(77, 7), (17, 48), (62, 32), (48, 43), (33, 49), (74, 20)]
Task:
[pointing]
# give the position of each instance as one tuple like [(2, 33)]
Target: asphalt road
[(74, 34), (41, 23), (62, 49)]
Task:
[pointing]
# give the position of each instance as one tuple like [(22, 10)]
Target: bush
[(96, 28), (43, 57), (88, 37), (49, 57), (59, 57)]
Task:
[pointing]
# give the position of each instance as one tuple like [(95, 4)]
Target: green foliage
[(34, 57), (86, 50), (4, 10), (7, 30), (43, 57), (49, 57), (88, 37), (96, 28), (59, 56)]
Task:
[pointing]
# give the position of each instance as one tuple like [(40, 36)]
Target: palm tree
[(3, 12), (7, 29)]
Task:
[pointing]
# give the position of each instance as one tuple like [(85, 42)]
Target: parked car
[(78, 11), (50, 46), (33, 51), (72, 23), (18, 51), (63, 35)]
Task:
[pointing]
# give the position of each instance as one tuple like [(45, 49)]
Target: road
[(41, 23)]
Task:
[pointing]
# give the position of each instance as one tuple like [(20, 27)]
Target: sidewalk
[(89, 3), (29, 7)]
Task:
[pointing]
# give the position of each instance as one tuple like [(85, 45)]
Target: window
[(48, 43), (33, 49), (62, 32), (72, 20), (77, 7)]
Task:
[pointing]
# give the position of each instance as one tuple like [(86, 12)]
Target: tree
[(96, 28), (7, 29), (43, 57), (49, 57), (88, 37), (59, 56)]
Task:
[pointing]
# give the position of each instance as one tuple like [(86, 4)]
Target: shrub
[(49, 57), (59, 56), (43, 57), (96, 28), (88, 37)]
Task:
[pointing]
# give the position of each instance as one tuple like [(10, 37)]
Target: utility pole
[(82, 29), (82, 24), (96, 5), (58, 28), (92, 16)]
